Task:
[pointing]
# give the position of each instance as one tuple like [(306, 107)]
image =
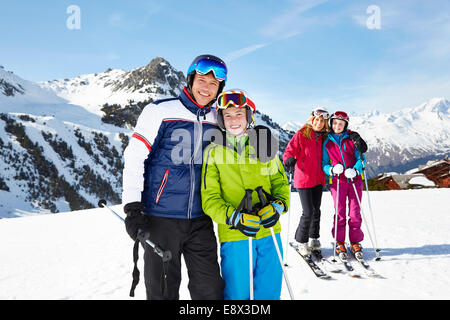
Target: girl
[(232, 170), (303, 157), (339, 154)]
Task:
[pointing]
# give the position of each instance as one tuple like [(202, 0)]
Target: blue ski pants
[(267, 272)]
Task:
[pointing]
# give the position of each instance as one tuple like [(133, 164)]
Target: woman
[(303, 156)]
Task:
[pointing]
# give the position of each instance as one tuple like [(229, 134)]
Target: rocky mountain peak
[(158, 71)]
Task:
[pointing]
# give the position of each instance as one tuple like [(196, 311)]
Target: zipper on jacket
[(340, 150), (317, 155), (197, 146), (206, 168), (162, 186)]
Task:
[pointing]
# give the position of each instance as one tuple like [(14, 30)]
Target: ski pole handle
[(144, 236), (261, 196), (248, 204)]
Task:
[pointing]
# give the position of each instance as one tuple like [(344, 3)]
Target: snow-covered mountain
[(403, 139), (54, 156), (157, 80), (61, 141)]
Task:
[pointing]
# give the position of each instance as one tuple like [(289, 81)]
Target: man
[(161, 185)]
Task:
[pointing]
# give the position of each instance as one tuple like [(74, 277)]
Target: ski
[(326, 264), (318, 272), (370, 272), (348, 266), (342, 259)]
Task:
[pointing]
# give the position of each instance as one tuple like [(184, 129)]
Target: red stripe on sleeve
[(141, 138)]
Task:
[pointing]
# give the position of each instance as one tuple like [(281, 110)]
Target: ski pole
[(289, 221), (336, 218), (249, 206), (263, 203), (370, 207), (250, 262), (286, 279), (143, 236), (365, 222)]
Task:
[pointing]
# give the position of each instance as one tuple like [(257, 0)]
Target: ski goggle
[(321, 113), (204, 66), (341, 115), (235, 99)]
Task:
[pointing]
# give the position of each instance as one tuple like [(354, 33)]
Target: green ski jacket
[(228, 170)]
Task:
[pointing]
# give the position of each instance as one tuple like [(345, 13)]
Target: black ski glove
[(136, 221), (290, 164), (360, 144)]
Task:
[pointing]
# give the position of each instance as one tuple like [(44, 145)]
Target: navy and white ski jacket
[(163, 160)]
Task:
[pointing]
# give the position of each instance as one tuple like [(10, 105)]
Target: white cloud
[(244, 51)]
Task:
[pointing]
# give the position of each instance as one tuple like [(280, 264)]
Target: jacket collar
[(336, 138), (188, 101)]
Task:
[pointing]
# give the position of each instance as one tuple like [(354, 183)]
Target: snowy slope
[(88, 255), (401, 140), (17, 91)]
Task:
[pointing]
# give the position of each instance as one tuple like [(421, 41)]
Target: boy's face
[(235, 120), (205, 88), (338, 126)]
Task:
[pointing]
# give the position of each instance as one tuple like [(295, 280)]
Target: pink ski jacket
[(308, 153), (341, 149)]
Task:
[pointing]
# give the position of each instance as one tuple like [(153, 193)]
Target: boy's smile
[(235, 120)]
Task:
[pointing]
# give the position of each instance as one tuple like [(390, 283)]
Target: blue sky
[(289, 55)]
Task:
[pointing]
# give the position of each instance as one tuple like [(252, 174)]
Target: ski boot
[(341, 251), (304, 249), (357, 250), (314, 244), (316, 251)]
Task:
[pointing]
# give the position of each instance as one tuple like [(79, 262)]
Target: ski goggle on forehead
[(235, 99), (204, 66), (341, 115), (321, 113)]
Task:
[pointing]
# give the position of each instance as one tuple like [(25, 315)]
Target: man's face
[(235, 120), (205, 88)]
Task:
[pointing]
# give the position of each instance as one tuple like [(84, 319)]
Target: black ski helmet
[(193, 68)]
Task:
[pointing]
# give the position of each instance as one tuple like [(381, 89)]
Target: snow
[(87, 254), (422, 180)]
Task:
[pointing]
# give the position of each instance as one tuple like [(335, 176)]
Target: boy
[(233, 167)]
